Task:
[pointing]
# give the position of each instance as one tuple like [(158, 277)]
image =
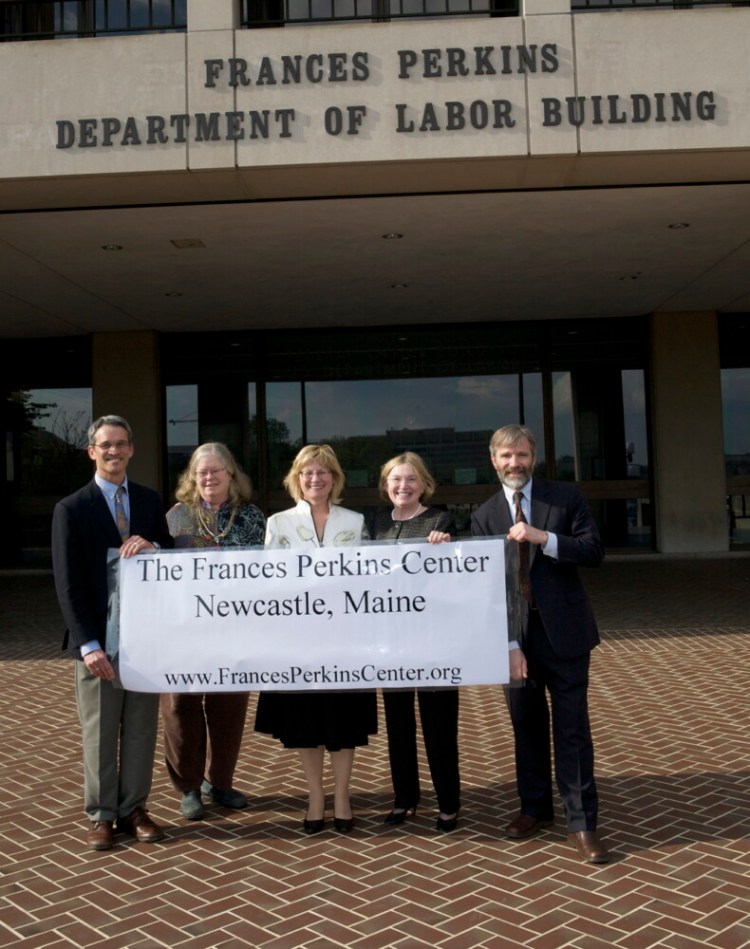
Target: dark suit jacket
[(559, 595), (82, 531)]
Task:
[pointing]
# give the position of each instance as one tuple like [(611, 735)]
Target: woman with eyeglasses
[(316, 722), (203, 732)]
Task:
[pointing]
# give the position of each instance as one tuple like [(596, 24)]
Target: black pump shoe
[(313, 826), (447, 824), (399, 815), (343, 824)]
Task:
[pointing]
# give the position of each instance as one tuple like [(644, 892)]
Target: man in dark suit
[(119, 727), (555, 534)]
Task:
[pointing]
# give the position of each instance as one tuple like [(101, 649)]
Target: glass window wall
[(52, 458), (735, 394), (448, 421)]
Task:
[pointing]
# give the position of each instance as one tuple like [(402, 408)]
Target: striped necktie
[(524, 569), (123, 524)]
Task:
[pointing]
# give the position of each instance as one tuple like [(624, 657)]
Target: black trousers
[(438, 711), (560, 687)]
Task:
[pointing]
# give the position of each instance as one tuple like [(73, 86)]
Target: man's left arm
[(570, 535), (578, 540)]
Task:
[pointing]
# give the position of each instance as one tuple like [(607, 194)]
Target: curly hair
[(240, 486)]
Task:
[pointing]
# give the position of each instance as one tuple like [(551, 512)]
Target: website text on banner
[(374, 616)]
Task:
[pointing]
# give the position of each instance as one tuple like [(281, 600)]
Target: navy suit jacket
[(559, 594), (83, 529)]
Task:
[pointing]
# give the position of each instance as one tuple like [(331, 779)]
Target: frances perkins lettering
[(492, 113), (339, 564)]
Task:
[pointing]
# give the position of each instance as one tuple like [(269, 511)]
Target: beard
[(515, 479)]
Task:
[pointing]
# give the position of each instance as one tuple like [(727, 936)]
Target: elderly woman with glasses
[(203, 732), (316, 722)]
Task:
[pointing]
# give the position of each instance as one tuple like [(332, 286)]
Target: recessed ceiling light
[(678, 226), (392, 236), (186, 243), (111, 246)]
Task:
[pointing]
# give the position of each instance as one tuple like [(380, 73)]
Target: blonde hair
[(420, 469), (510, 435), (240, 486), (325, 456)]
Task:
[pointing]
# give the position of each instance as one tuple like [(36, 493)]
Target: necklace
[(397, 519), (209, 535)]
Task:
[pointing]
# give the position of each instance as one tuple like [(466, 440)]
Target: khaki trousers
[(119, 740)]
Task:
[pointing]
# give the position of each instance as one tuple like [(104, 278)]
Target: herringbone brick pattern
[(671, 719)]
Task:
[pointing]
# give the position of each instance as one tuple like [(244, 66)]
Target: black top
[(433, 519)]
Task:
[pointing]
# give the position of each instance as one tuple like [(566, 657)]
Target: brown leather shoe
[(140, 826), (525, 826), (589, 846), (100, 835)]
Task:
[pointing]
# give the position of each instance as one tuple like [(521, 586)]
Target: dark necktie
[(524, 574), (123, 525)]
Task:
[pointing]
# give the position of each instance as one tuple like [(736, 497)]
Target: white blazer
[(295, 528)]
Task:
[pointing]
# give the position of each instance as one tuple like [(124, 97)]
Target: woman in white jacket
[(313, 722)]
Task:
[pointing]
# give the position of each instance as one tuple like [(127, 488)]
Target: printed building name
[(488, 114), (450, 116)]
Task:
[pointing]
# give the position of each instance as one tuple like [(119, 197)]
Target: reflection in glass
[(53, 457), (182, 429), (182, 417), (533, 414), (634, 409), (284, 425), (735, 399), (449, 421), (562, 408)]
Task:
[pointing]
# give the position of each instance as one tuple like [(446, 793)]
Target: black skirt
[(336, 720)]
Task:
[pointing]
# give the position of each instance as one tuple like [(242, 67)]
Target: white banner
[(374, 616)]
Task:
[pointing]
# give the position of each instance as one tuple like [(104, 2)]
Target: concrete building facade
[(399, 231)]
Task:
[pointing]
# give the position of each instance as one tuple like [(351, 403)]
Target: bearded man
[(555, 533)]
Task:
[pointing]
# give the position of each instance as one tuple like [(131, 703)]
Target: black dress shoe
[(399, 814), (313, 826), (343, 824)]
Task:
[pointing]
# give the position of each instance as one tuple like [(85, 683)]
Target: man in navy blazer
[(549, 667), (118, 727)]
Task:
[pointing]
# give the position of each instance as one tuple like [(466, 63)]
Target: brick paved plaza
[(671, 719)]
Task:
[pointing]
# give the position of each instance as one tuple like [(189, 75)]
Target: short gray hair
[(116, 420), (511, 435)]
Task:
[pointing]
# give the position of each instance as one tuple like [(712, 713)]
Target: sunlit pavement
[(671, 718)]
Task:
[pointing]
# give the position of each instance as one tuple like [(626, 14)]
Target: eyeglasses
[(318, 473), (105, 446), (208, 473)]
